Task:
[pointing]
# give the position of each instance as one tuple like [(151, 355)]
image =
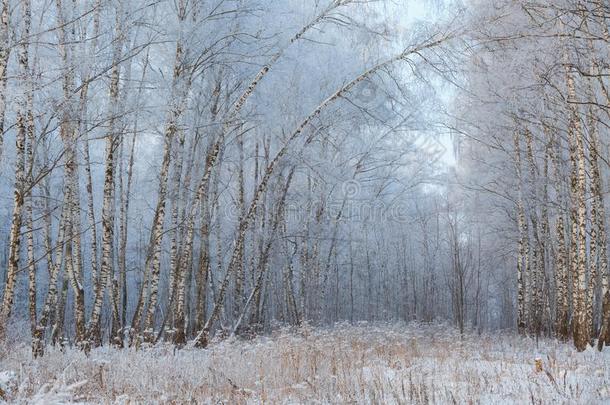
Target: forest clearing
[(367, 363)]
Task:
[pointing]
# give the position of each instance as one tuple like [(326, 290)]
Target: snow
[(390, 364)]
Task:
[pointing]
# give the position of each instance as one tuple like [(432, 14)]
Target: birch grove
[(553, 101), (184, 171)]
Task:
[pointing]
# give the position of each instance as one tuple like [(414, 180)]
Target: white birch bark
[(19, 192), (180, 88), (5, 50), (108, 205), (561, 256), (579, 212)]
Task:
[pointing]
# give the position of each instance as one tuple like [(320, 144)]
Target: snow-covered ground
[(393, 364)]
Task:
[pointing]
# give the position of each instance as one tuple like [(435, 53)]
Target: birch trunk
[(124, 215), (604, 334), (51, 298), (241, 208), (538, 270), (57, 331), (175, 228), (180, 88), (579, 211), (31, 141), (262, 265), (108, 204), (561, 258), (18, 201), (597, 244), (177, 261), (83, 128), (522, 271), (5, 50)]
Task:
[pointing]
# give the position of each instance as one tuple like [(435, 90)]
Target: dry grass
[(347, 364)]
